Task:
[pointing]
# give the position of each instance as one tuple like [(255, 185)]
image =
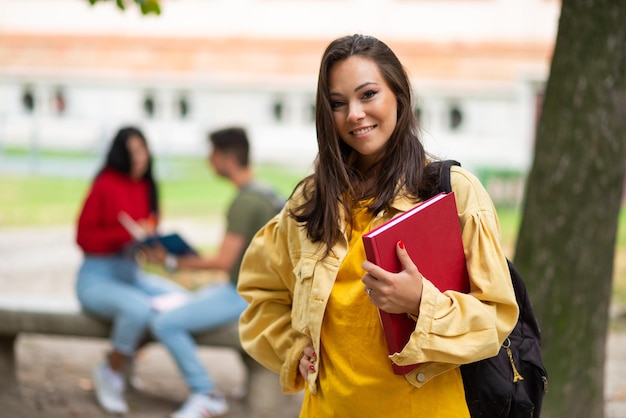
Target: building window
[(28, 100), (182, 106), (149, 106), (455, 118), (312, 112), (58, 102), (278, 110)]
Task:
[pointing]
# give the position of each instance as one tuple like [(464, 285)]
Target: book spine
[(370, 251)]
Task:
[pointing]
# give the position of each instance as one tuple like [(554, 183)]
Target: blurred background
[(72, 73)]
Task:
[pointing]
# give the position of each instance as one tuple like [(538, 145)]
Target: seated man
[(215, 304)]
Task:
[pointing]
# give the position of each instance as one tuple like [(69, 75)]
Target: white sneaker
[(109, 387), (200, 405)]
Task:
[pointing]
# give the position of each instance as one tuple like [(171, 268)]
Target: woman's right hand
[(148, 225), (395, 293), (139, 229), (307, 361)]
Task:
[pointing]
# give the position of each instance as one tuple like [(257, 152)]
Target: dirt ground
[(55, 380), (55, 372)]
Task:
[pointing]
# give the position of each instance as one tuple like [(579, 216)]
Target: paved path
[(55, 371)]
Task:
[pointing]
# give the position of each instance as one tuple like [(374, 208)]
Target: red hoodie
[(99, 230)]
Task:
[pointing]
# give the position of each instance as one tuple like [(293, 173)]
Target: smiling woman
[(305, 273)]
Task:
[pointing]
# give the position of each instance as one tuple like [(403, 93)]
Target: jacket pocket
[(303, 271)]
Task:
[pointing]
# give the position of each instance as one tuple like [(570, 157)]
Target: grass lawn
[(187, 189)]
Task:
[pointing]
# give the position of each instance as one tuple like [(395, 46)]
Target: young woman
[(110, 283), (304, 275)]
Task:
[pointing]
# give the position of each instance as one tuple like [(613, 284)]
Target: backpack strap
[(444, 174)]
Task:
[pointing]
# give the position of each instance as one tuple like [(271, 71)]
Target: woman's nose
[(355, 113)]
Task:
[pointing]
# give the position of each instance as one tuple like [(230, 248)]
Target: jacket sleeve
[(266, 282), (459, 328)]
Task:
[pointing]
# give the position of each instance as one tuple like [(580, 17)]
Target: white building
[(71, 73)]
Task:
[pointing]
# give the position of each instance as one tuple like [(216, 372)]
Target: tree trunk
[(566, 243)]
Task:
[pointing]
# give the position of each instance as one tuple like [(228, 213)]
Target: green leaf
[(146, 6), (150, 6)]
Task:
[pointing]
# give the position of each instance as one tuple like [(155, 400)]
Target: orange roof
[(249, 59)]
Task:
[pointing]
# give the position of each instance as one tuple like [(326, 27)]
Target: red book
[(431, 234)]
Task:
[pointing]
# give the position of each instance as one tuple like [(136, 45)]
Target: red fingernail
[(401, 245), (314, 355), (312, 368)]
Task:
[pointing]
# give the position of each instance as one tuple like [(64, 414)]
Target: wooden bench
[(21, 314)]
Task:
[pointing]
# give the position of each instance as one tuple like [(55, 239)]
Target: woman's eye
[(369, 94), (336, 105)]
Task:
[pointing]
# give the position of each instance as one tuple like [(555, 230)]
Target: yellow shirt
[(355, 376)]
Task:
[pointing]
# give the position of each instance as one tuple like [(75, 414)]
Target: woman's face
[(139, 156), (364, 107)]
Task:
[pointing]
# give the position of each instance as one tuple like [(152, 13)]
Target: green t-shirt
[(254, 205)]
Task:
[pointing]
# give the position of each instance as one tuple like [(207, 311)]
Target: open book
[(431, 234), (173, 242)]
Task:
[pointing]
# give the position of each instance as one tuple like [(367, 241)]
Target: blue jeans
[(115, 289), (209, 307)]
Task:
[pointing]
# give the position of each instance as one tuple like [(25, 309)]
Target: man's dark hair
[(233, 141)]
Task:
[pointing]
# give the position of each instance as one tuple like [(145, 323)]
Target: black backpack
[(513, 383)]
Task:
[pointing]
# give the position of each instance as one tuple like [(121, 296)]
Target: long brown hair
[(335, 183)]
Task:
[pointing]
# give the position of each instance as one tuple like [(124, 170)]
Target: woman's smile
[(362, 131)]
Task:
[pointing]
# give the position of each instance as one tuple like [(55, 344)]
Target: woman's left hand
[(307, 361), (154, 253), (394, 292)]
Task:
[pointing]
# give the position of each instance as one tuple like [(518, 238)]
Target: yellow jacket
[(287, 281)]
